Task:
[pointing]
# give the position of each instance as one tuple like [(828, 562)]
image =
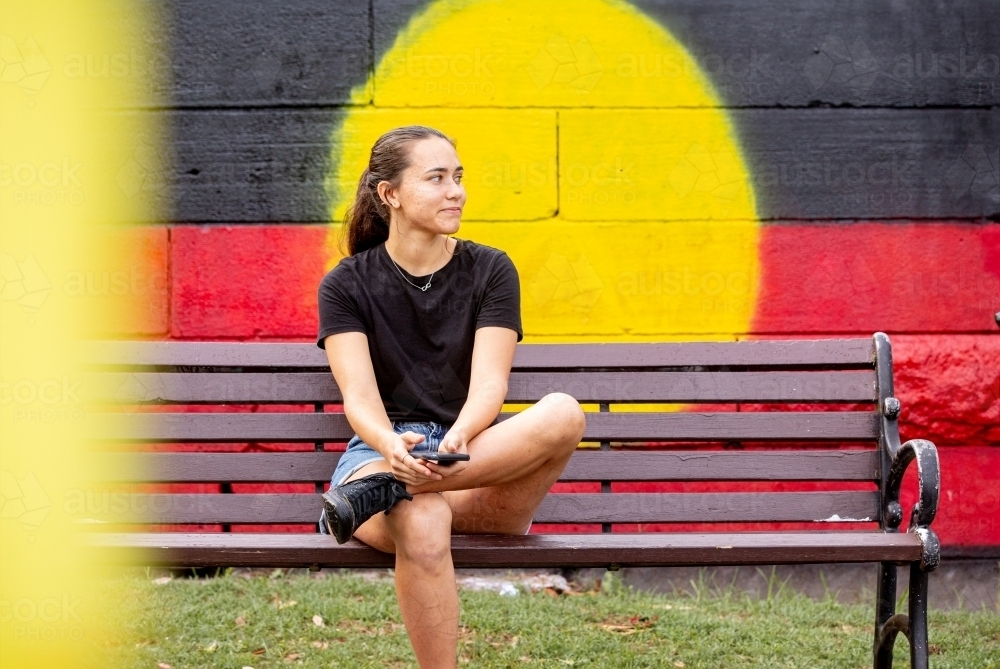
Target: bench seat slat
[(268, 508), (857, 352), (708, 507), (531, 551), (585, 465), (611, 426), (591, 387), (826, 465)]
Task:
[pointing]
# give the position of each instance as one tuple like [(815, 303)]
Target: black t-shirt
[(421, 341)]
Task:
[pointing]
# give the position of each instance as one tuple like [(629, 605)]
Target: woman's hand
[(452, 442), (404, 466)]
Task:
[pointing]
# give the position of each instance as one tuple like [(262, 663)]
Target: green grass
[(242, 620)]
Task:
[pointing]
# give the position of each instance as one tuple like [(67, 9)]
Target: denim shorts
[(359, 453)]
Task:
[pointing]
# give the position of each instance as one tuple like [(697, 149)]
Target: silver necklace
[(424, 287)]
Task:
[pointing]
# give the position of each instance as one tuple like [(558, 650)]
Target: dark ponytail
[(366, 223)]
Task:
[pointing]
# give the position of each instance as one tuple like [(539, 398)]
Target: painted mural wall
[(656, 170)]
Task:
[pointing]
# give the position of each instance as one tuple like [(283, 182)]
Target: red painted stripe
[(865, 277), (260, 281), (127, 285), (948, 385), (969, 511), (245, 282)]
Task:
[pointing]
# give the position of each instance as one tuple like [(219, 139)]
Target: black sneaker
[(350, 504)]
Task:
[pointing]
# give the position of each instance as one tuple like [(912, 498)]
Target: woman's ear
[(386, 194)]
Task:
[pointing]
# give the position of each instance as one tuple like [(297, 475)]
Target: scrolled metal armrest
[(928, 479), (929, 487)]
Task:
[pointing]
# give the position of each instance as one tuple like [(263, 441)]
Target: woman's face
[(430, 194)]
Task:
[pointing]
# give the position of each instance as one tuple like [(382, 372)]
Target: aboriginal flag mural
[(657, 171)]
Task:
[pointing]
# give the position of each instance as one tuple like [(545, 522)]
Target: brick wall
[(656, 171)]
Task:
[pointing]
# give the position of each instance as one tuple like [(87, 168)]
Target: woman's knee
[(421, 528), (565, 417)]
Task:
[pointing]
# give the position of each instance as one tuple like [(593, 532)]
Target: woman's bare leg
[(425, 578), (419, 533), (513, 464), (516, 463)]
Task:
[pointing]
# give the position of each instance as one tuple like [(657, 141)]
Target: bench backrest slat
[(846, 353), (264, 508), (610, 426), (585, 465), (312, 387)]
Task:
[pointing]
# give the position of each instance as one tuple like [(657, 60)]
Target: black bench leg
[(918, 617), (889, 624), (885, 608)]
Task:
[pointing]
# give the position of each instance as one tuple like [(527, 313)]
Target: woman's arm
[(492, 358), (351, 364), (352, 368)]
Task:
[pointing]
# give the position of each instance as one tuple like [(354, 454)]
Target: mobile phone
[(444, 459)]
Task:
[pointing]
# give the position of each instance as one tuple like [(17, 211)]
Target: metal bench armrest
[(895, 458), (924, 453)]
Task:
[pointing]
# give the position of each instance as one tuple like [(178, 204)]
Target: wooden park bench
[(810, 438)]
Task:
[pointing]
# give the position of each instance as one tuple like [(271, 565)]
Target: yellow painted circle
[(596, 154)]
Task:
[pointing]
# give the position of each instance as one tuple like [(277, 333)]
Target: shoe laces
[(376, 493)]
